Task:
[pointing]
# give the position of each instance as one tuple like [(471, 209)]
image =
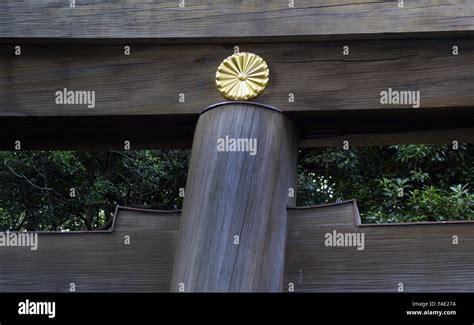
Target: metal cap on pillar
[(233, 225)]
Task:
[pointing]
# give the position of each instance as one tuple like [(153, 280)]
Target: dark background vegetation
[(391, 184), (406, 183)]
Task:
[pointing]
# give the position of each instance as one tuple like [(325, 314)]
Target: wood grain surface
[(232, 194), (421, 257), (141, 19), (336, 97), (97, 261), (151, 79)]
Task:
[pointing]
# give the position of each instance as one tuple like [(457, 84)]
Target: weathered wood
[(97, 261), (232, 194), (150, 80), (140, 19), (422, 257)]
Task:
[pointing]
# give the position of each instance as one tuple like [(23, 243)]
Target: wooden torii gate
[(151, 67)]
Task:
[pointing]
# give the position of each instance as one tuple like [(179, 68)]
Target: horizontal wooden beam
[(161, 19), (97, 132), (179, 79), (98, 261), (461, 135), (416, 257), (315, 129), (419, 255), (336, 97), (385, 127)]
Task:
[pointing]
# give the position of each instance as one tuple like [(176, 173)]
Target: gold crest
[(242, 76)]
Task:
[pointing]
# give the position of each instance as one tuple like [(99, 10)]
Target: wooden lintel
[(173, 19), (179, 79)]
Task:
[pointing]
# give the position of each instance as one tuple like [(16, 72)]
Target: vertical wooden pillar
[(233, 225)]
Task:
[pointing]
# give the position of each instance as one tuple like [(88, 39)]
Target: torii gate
[(151, 66)]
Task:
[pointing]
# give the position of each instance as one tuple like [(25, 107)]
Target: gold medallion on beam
[(242, 76)]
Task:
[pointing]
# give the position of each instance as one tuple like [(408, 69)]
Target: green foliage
[(407, 183), (391, 184), (36, 186)]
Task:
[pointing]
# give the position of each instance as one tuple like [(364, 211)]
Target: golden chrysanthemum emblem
[(242, 76)]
